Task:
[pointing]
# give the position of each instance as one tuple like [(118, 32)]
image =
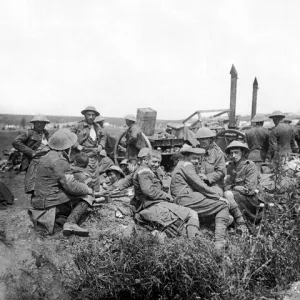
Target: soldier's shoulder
[(250, 163), (144, 170), (185, 164)]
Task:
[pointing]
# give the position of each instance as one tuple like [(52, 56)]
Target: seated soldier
[(105, 162), (155, 207), (114, 174), (79, 171), (57, 193), (241, 181), (127, 182), (190, 190), (123, 165)]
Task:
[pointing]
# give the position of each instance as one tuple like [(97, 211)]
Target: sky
[(59, 56)]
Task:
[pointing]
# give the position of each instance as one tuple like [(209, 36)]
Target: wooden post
[(254, 98), (234, 77)]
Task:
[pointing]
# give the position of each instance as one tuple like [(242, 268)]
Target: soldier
[(33, 144), (288, 119), (115, 175), (105, 162), (241, 181), (281, 140), (191, 191), (213, 160), (134, 139), (57, 193), (297, 133), (155, 207), (91, 140), (257, 139)]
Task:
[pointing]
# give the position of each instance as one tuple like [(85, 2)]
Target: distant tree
[(23, 122)]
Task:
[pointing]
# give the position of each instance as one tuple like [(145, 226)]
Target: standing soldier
[(257, 139), (91, 140), (281, 141), (134, 139), (33, 144), (213, 161), (297, 133)]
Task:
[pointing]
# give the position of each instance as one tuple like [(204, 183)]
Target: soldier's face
[(154, 163), (193, 158), (90, 117), (113, 176), (39, 126), (277, 119), (205, 143), (236, 154)]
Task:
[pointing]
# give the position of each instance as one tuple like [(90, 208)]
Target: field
[(123, 261)]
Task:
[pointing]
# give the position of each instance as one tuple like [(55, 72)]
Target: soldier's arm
[(250, 179), (198, 184), (102, 138), (219, 169), (149, 189), (126, 182), (67, 180), (19, 144), (74, 128), (229, 180)]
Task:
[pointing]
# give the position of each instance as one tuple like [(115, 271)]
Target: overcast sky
[(58, 56)]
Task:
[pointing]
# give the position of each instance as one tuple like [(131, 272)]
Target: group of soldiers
[(64, 176)]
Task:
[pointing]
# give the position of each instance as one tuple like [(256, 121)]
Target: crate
[(146, 119)]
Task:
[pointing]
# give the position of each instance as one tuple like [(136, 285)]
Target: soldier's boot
[(71, 227), (220, 235), (241, 227), (193, 225)]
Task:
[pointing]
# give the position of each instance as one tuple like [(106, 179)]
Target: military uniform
[(154, 208), (258, 142), (297, 133), (134, 141), (90, 146), (281, 141), (31, 143), (242, 176), (191, 191), (213, 163)]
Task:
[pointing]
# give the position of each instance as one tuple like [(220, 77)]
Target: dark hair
[(81, 159)]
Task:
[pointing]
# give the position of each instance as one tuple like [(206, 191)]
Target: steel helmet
[(130, 118), (62, 139), (90, 108), (99, 119), (124, 162), (39, 118), (236, 144), (204, 132), (258, 118), (277, 113), (189, 149), (117, 169)]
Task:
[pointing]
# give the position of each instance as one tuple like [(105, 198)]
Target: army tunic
[(33, 145), (242, 181), (191, 191), (153, 206), (281, 141), (90, 146), (258, 142), (213, 163)]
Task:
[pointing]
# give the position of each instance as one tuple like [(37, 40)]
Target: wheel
[(117, 157), (225, 137)]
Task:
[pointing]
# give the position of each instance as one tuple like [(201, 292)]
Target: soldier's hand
[(99, 148), (169, 198), (203, 177), (225, 200)]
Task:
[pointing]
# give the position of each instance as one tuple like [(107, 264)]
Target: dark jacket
[(214, 166), (242, 174), (148, 188), (55, 183), (82, 130), (186, 181), (281, 141), (258, 142), (27, 143), (134, 141)]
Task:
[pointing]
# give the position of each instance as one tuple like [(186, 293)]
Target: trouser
[(234, 208), (192, 224), (74, 209)]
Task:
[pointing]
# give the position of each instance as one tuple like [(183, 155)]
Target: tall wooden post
[(254, 98), (234, 77)]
